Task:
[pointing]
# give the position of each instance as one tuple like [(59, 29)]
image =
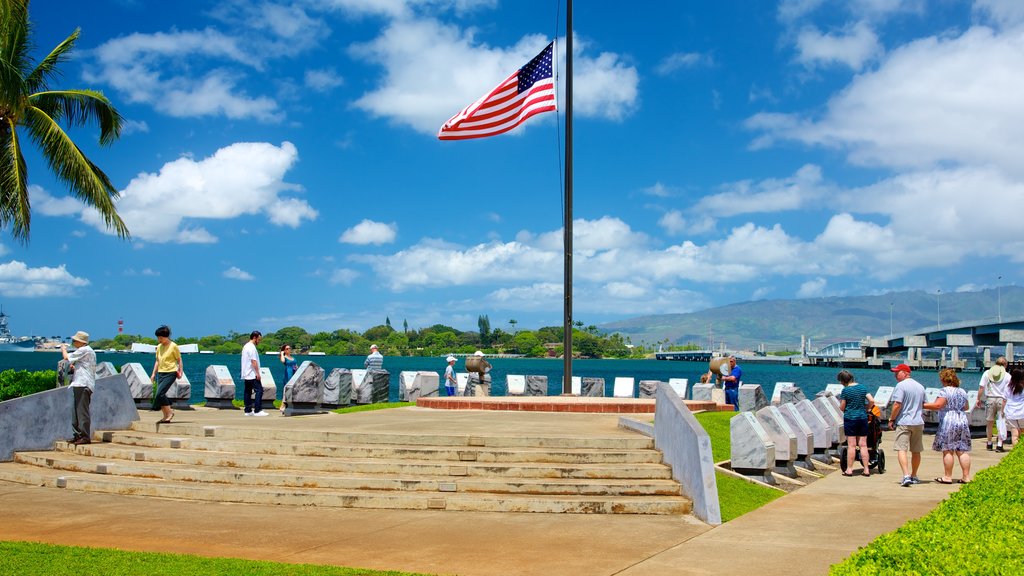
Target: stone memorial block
[(648, 388), (358, 380), (421, 384), (832, 417), (778, 429), (515, 385), (180, 392), (777, 391), (751, 398), (375, 387), (623, 387), (219, 390), (752, 452), (337, 388), (592, 387), (461, 383), (139, 384), (834, 389), (803, 433), (536, 385), (702, 392), (477, 386), (304, 392), (679, 385), (791, 394), (883, 399), (718, 396), (105, 369), (269, 386), (577, 385), (931, 416), (977, 417), (821, 429)]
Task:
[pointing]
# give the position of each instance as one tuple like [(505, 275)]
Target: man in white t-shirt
[(83, 359), (908, 421), (251, 376), (992, 391)]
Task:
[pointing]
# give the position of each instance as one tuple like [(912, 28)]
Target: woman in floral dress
[(953, 437)]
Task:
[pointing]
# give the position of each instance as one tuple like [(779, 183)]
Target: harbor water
[(810, 379)]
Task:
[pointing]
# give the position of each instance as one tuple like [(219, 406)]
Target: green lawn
[(34, 559), (736, 497)]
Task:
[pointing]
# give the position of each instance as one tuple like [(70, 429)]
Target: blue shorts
[(857, 427)]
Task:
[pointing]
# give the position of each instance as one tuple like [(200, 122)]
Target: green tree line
[(435, 340)]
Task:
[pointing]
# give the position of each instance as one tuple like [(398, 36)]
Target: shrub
[(15, 384), (977, 530)]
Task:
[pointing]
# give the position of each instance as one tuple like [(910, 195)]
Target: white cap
[(478, 353), (373, 346), (452, 359)]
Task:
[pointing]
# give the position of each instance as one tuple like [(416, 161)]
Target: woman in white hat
[(83, 359), (451, 385)]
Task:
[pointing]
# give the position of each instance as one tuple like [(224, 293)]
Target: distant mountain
[(779, 324)]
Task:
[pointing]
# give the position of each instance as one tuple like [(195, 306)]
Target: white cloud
[(47, 205), (1003, 12), (928, 103), (323, 80), (659, 190), (814, 288), (770, 195), (370, 232), (680, 60), (134, 127), (17, 280), (674, 223), (853, 47), (243, 178), (343, 277), (790, 10), (236, 273)]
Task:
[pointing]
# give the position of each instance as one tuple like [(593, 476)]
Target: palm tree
[(513, 322), (28, 106)]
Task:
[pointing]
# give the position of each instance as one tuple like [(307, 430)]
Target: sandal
[(847, 473), (962, 481), (943, 481)]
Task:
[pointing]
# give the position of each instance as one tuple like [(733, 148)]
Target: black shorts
[(857, 427)]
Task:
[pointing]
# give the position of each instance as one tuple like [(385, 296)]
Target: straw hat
[(82, 337), (995, 373)]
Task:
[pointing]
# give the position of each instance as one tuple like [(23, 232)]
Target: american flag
[(528, 91)]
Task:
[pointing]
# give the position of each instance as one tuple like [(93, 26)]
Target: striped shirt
[(856, 402), (374, 361)]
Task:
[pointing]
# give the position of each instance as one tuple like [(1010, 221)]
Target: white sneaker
[(260, 413), (247, 413)]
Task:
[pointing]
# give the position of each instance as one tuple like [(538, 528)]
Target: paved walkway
[(801, 533)]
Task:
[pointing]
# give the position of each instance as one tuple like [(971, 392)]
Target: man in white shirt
[(375, 360), (251, 376), (992, 391), (908, 421), (83, 359)]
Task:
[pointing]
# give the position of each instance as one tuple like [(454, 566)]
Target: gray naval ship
[(9, 343)]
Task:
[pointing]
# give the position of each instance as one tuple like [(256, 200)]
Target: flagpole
[(567, 228)]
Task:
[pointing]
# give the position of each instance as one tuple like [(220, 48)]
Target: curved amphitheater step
[(498, 473)]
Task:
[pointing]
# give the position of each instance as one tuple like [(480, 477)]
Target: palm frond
[(14, 203), (14, 50), (84, 179), (80, 107), (47, 67)]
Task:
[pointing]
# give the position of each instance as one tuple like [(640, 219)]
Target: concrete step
[(74, 462), (289, 496), (387, 451), (241, 461), (526, 439)]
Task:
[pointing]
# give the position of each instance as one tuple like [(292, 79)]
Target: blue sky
[(279, 165)]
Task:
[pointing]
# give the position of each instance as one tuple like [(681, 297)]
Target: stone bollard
[(304, 392), (358, 381), (421, 384), (139, 384), (536, 385), (751, 398), (834, 389), (269, 387), (648, 389), (820, 428), (622, 387), (702, 392), (791, 395), (592, 387), (374, 388), (337, 389), (105, 370), (777, 392), (515, 385), (782, 435), (832, 416), (219, 388), (803, 433), (752, 452), (180, 393)]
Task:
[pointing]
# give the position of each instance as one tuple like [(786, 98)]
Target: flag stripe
[(507, 105)]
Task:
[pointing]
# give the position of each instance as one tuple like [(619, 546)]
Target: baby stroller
[(876, 456)]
